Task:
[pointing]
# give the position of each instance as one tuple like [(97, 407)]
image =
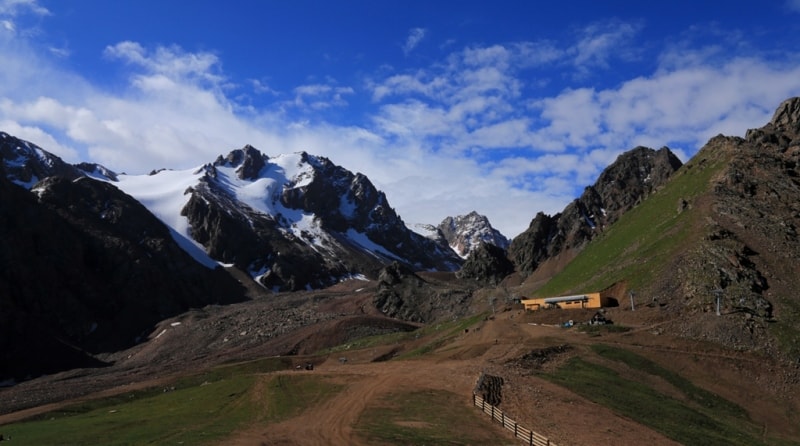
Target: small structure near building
[(578, 301), (599, 319)]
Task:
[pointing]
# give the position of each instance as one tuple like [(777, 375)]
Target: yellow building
[(588, 300)]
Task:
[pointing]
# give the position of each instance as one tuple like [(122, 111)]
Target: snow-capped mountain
[(85, 267), (465, 233), (293, 221)]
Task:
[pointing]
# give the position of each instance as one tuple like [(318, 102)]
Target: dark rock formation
[(490, 388), (622, 185), (26, 163), (403, 294), (487, 264), (346, 207), (86, 268)]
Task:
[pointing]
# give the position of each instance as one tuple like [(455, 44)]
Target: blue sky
[(507, 107)]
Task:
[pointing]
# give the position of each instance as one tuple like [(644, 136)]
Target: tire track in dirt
[(332, 423)]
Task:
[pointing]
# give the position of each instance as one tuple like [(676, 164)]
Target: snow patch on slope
[(364, 241), (164, 195)]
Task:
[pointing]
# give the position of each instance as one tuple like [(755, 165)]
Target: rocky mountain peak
[(631, 178), (97, 170), (249, 160), (310, 224), (465, 233), (26, 163), (787, 115)]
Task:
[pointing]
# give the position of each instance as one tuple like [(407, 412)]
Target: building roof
[(554, 300)]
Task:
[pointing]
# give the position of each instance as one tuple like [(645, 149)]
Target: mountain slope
[(85, 269), (725, 225), (622, 185), (293, 221)]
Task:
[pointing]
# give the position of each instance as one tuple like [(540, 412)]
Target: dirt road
[(556, 413)]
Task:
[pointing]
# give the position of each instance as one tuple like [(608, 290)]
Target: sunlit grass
[(703, 418)]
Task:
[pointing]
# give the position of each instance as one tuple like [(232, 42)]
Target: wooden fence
[(530, 437)]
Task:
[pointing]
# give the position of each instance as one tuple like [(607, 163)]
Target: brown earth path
[(492, 346), (558, 414)]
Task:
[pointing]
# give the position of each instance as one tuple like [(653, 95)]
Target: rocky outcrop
[(26, 163), (487, 264), (403, 294), (490, 389), (787, 117), (622, 185), (466, 233)]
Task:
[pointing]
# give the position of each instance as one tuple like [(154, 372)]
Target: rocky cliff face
[(322, 223), (406, 295), (466, 233), (749, 248), (26, 163), (625, 183), (487, 264)]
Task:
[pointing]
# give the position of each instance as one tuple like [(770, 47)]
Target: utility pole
[(718, 294), (632, 294)]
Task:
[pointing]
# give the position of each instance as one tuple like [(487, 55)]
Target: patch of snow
[(359, 276), (100, 173), (175, 324), (425, 230), (292, 167), (163, 194), (257, 274), (362, 240), (43, 157)]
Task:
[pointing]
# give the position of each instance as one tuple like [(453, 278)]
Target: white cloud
[(793, 5), (682, 107), (41, 138), (260, 87), (172, 62), (472, 131), (601, 41), (13, 13), (320, 96), (18, 7), (415, 36)]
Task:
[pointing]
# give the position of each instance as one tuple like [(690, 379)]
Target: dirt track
[(491, 346), (455, 370)]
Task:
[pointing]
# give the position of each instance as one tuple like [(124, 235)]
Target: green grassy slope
[(644, 240), (197, 409), (699, 418)]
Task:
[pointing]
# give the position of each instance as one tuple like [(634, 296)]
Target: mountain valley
[(113, 285)]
